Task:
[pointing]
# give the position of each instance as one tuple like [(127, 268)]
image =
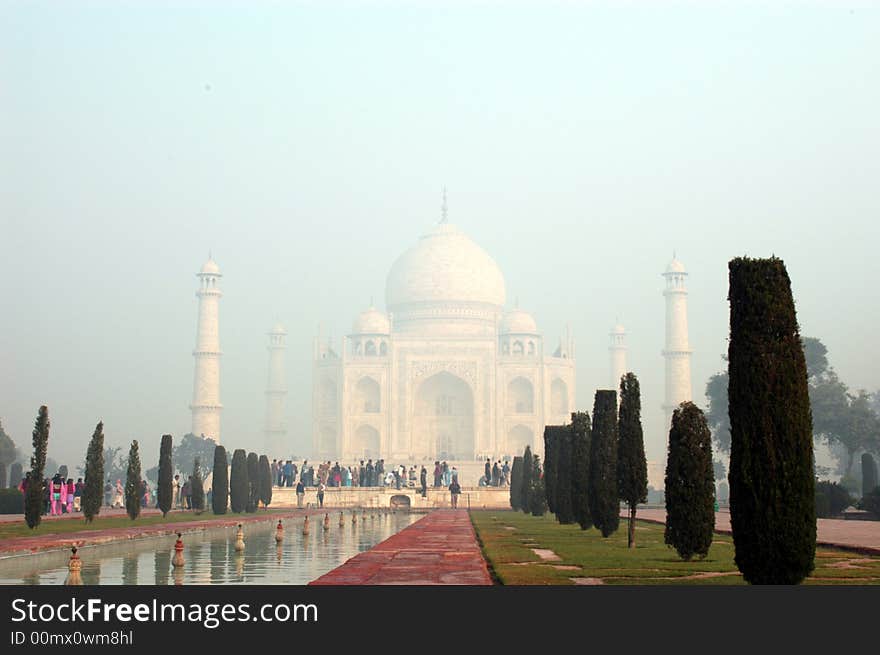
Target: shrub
[(871, 502), (690, 484), (537, 499), (253, 470), (238, 482), (516, 483), (11, 501), (526, 486), (772, 488), (831, 499), (165, 491), (550, 464), (265, 481), (869, 474), (220, 482)]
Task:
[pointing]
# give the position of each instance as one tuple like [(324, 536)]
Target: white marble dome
[(210, 268), (518, 322), (444, 267), (371, 321)]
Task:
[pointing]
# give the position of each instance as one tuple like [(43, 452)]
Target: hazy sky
[(306, 145)]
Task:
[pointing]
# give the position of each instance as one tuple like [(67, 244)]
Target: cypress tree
[(526, 485), (581, 438), (550, 466), (772, 488), (537, 495), (265, 481), (516, 483), (238, 482), (15, 475), (198, 487), (604, 502), (632, 469), (133, 482), (563, 440), (33, 501), (253, 470), (93, 487), (220, 482), (689, 484), (869, 474), (2, 475), (165, 491)]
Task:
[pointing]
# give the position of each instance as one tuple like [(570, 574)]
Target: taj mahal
[(446, 373)]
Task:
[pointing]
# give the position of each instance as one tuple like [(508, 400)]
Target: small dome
[(278, 329), (618, 329), (210, 268), (371, 321), (675, 266), (518, 322)]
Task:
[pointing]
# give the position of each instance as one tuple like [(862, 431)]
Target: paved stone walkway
[(439, 549), (45, 541), (863, 536)]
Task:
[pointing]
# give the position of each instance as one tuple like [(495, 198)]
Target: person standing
[(505, 474), (119, 498), (436, 473), (300, 493), (424, 481), (488, 470), (108, 493), (321, 487), (454, 491), (369, 482), (496, 475)]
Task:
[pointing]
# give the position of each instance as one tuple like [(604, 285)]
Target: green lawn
[(508, 537), (65, 526)]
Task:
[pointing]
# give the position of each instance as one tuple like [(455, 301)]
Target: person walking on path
[(321, 487), (118, 499), (300, 493), (454, 491)]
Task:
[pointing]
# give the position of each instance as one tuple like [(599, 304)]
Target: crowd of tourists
[(496, 475), (286, 473)]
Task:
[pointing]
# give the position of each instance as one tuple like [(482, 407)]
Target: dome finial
[(444, 209)]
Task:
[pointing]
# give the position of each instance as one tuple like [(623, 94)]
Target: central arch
[(443, 421), (365, 444)]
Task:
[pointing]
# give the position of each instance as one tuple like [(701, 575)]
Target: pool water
[(212, 559)]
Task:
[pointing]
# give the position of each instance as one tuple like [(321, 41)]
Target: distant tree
[(253, 469), (716, 414), (133, 482), (220, 482), (115, 463), (527, 472), (62, 470), (689, 485), (15, 475), (718, 470), (537, 496), (198, 487), (831, 499), (516, 483), (33, 502), (8, 454), (190, 447), (604, 503), (238, 482), (93, 487), (550, 466), (562, 450), (871, 502), (265, 481), (632, 468), (165, 490), (581, 438), (869, 474), (772, 488)]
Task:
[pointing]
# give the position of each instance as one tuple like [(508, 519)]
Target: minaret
[(677, 351), (617, 352), (206, 405), (276, 390)]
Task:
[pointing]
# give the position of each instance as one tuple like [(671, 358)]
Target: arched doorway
[(367, 396), (558, 398), (520, 397), (365, 444), (443, 421)]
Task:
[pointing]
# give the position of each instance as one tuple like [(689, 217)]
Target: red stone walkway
[(863, 536), (441, 548), (45, 541)]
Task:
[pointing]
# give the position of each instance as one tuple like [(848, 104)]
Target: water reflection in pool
[(298, 560)]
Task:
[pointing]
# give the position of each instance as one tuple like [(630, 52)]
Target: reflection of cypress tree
[(219, 556), (163, 566), (130, 570)]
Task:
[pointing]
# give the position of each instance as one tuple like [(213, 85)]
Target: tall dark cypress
[(238, 482), (581, 438), (516, 483), (537, 499), (133, 482), (772, 488), (165, 490), (604, 502), (550, 465), (253, 469), (265, 481), (562, 440), (220, 482), (632, 469), (869, 474), (526, 485), (93, 486), (690, 483), (33, 500), (15, 475), (198, 486)]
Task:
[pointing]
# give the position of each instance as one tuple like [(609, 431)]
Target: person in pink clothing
[(55, 498), (70, 491)]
